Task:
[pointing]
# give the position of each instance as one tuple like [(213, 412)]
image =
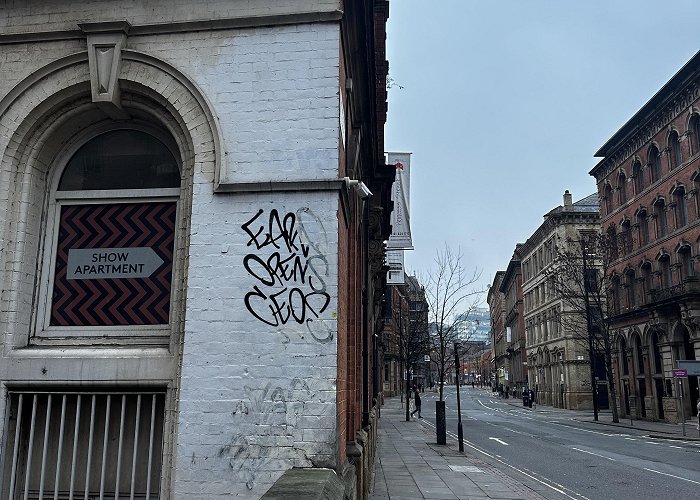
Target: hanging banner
[(400, 194), (394, 259)]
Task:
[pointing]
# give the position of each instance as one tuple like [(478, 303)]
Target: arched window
[(694, 129), (623, 357), (115, 208), (648, 277), (681, 207), (608, 199), (638, 355), (660, 215), (654, 162), (674, 149), (617, 294), (631, 282), (626, 236), (638, 174), (686, 261), (656, 353), (622, 187), (665, 271), (643, 224)]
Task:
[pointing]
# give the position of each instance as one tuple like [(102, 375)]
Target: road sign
[(680, 373), (691, 366)]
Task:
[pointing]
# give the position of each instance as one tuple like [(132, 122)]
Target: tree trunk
[(611, 381)]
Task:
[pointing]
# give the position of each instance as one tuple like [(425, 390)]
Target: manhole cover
[(465, 468)]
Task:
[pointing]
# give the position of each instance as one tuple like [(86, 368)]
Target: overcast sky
[(504, 103)]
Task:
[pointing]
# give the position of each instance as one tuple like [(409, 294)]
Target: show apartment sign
[(100, 263)]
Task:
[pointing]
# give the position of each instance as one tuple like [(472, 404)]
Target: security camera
[(363, 190), (359, 186)]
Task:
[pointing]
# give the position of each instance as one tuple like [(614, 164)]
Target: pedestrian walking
[(417, 400)]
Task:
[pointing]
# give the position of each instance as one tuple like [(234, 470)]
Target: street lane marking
[(554, 486), (671, 475), (585, 430), (499, 441), (591, 453), (678, 447)]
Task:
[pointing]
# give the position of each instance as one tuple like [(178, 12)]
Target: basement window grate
[(75, 445)]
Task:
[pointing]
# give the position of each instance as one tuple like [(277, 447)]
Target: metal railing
[(70, 445)]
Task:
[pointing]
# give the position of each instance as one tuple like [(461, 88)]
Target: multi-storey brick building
[(514, 323), (494, 298), (649, 183), (557, 350), (190, 283)]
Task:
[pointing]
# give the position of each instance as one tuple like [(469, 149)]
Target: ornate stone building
[(558, 359), (649, 186), (191, 279)]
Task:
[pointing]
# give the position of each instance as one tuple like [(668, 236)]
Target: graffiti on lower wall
[(274, 411)]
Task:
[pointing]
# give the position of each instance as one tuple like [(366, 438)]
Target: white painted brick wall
[(255, 399), (275, 91)]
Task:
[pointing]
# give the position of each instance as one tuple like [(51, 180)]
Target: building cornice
[(183, 26), (668, 103)]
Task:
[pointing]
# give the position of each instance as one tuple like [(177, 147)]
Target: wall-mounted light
[(361, 188)]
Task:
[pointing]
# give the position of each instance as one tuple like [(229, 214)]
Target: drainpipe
[(365, 315)]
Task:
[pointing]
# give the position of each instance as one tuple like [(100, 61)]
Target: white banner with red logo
[(400, 238)]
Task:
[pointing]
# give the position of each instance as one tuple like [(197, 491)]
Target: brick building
[(557, 349), (404, 337), (190, 283), (515, 377), (648, 183), (499, 360)]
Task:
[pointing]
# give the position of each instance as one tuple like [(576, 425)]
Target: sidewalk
[(410, 465), (662, 430)]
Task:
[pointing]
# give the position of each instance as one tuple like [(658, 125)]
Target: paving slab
[(411, 466)]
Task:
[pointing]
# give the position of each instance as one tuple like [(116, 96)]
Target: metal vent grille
[(70, 445)]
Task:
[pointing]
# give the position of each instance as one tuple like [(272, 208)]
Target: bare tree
[(452, 294), (580, 277)]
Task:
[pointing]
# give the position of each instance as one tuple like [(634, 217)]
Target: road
[(568, 458)]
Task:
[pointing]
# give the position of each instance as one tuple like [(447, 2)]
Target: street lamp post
[(460, 433)]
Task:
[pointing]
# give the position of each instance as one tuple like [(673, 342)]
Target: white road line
[(677, 447), (585, 430), (554, 486), (499, 441), (671, 475), (591, 453)]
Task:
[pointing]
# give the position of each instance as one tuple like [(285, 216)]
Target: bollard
[(440, 424)]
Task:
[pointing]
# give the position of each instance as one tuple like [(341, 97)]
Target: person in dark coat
[(417, 401)]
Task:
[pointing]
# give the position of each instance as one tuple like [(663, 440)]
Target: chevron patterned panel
[(114, 301)]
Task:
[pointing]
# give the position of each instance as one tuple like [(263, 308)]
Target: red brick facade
[(649, 183)]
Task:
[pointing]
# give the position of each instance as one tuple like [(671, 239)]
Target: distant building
[(649, 186), (475, 326), (557, 357), (499, 361), (514, 375)]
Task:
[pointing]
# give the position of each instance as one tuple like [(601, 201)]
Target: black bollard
[(441, 426)]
